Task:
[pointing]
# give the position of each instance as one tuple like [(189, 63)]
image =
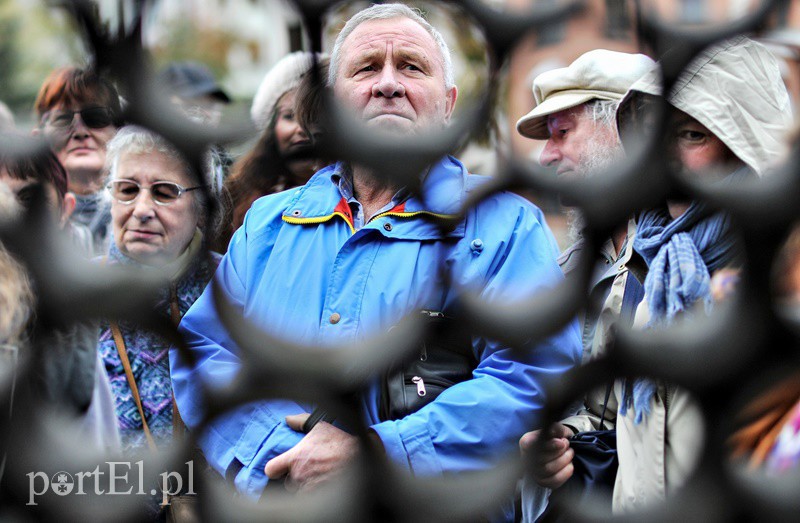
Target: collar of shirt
[(343, 178)]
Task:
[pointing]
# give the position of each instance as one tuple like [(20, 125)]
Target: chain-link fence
[(722, 360)]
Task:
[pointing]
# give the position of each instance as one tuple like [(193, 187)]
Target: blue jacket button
[(476, 245)]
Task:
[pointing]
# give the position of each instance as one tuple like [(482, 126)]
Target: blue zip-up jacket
[(297, 260)]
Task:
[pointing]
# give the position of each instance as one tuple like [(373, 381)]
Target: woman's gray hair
[(386, 12), (133, 139)]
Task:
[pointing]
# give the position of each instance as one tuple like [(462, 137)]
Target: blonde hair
[(16, 291)]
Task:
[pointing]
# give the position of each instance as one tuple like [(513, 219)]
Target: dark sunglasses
[(163, 193), (93, 117)]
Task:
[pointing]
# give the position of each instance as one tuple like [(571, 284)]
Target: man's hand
[(552, 458), (319, 456)]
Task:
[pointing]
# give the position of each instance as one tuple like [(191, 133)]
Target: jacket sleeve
[(238, 444), (475, 422)]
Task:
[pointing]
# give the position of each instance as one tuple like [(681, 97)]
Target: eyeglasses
[(93, 117), (163, 193)]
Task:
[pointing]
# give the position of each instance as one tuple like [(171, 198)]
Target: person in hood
[(730, 115)]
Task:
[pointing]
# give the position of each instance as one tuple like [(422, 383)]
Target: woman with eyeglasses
[(78, 112), (158, 212)]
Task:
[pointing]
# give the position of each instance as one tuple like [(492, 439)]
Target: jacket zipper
[(319, 219), (429, 381), (420, 386), (412, 214)]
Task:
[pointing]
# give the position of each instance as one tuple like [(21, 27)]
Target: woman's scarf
[(681, 255)]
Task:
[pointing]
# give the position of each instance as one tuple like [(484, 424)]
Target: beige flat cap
[(599, 74)]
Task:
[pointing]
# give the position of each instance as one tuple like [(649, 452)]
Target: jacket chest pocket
[(444, 359)]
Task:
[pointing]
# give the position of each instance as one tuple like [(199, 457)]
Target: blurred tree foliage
[(9, 55), (34, 39), (185, 41)]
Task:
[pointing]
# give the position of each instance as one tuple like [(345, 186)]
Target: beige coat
[(659, 454), (588, 417)]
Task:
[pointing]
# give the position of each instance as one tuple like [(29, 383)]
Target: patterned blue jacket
[(148, 354)]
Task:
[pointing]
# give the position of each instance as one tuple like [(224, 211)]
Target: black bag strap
[(605, 405), (319, 414)]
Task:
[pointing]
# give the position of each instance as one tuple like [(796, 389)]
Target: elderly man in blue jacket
[(349, 254)]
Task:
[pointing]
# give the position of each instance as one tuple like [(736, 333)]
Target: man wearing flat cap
[(576, 113)]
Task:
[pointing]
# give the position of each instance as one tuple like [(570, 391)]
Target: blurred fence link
[(733, 351)]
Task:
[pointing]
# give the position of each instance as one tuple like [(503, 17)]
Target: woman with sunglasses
[(158, 211), (78, 112)]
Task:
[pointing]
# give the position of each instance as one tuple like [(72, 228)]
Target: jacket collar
[(443, 193)]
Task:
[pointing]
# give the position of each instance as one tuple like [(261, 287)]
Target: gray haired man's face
[(391, 75), (579, 145)]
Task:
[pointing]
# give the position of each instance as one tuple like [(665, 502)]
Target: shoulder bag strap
[(605, 406), (119, 341)]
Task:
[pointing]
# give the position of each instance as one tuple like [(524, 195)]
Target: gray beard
[(575, 224), (599, 156)]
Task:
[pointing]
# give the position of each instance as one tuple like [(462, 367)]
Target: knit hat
[(597, 75), (282, 78)]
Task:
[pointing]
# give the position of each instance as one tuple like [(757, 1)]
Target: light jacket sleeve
[(473, 423), (238, 444)]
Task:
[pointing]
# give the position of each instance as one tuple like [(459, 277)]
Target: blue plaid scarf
[(681, 255)]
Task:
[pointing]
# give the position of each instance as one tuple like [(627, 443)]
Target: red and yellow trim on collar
[(342, 210)]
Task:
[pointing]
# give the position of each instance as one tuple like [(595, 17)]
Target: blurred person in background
[(768, 428), (25, 173), (268, 167), (576, 113), (62, 373), (192, 88), (16, 302), (158, 212), (78, 112), (67, 364)]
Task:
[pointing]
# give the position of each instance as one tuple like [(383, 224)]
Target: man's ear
[(450, 102), (67, 208)]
